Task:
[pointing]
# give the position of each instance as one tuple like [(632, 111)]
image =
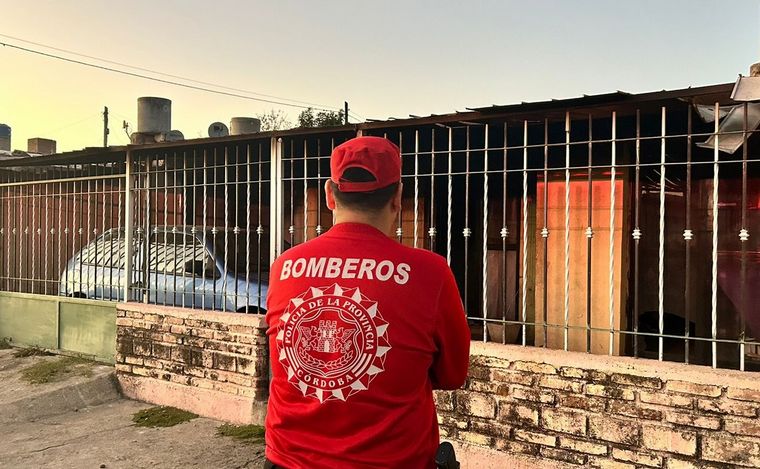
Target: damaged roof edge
[(583, 102)]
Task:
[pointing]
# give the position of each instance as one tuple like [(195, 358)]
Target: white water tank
[(154, 115), (217, 129), (244, 125)]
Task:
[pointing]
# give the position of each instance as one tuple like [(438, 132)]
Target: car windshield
[(170, 252)]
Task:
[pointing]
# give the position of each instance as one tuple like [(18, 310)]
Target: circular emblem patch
[(332, 342)]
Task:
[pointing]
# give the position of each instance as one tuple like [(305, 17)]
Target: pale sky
[(387, 58)]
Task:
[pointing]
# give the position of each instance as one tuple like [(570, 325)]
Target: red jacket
[(361, 330)]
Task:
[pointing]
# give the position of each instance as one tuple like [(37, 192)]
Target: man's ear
[(396, 200), (329, 195)]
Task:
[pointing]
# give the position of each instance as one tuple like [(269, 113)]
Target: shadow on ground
[(78, 420)]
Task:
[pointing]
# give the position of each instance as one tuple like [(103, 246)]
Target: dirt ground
[(80, 421)]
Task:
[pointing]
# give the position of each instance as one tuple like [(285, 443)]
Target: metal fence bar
[(400, 228), (661, 252), (485, 235), (129, 218), (416, 183), (504, 233), (432, 231), (33, 200), (687, 235), (566, 317), (449, 198), (204, 243), (107, 259), (22, 233), (715, 194), (545, 234), (47, 200), (165, 251), (305, 193), (175, 198), (277, 210), (743, 238), (248, 221), (193, 230), (637, 235), (226, 227), (292, 228), (589, 231), (319, 186), (185, 172), (214, 228), (612, 231), (466, 232), (524, 296), (259, 227)]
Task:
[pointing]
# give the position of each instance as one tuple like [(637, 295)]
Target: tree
[(274, 120), (307, 118)]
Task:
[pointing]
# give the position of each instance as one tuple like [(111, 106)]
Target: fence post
[(128, 224), (276, 199)]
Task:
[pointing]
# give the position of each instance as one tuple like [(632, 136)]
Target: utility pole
[(105, 126), (345, 111)]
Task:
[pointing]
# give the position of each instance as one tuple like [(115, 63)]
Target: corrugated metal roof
[(600, 102)]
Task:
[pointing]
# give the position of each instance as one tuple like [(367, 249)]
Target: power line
[(160, 80), (71, 124), (162, 73)]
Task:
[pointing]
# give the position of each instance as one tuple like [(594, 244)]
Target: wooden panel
[(600, 265)]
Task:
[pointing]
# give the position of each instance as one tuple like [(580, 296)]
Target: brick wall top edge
[(253, 320), (617, 364)]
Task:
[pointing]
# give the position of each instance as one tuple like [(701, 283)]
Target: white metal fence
[(615, 227)]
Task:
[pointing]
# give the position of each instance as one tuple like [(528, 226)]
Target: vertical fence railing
[(643, 167), (202, 234), (564, 230), (58, 228)]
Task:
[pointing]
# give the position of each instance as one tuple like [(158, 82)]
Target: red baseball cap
[(377, 155)]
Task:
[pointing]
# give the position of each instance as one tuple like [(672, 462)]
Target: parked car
[(186, 267)]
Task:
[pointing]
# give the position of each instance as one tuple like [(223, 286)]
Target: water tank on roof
[(244, 125), (5, 137), (154, 115), (217, 129)]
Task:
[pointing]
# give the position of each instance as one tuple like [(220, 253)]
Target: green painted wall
[(86, 327)]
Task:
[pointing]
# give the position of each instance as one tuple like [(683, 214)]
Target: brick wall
[(212, 363), (601, 411)]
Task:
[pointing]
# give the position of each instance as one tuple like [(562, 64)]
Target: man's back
[(361, 329)]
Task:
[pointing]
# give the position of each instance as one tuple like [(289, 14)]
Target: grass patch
[(162, 416), (5, 344), (30, 352), (55, 370), (253, 433)]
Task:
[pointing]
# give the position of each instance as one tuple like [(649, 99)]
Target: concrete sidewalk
[(81, 422)]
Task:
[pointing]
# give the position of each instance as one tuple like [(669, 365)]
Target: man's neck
[(381, 221)]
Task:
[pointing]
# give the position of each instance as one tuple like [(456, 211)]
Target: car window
[(170, 252), (106, 251)]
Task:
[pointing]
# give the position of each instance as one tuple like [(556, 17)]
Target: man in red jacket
[(361, 330)]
